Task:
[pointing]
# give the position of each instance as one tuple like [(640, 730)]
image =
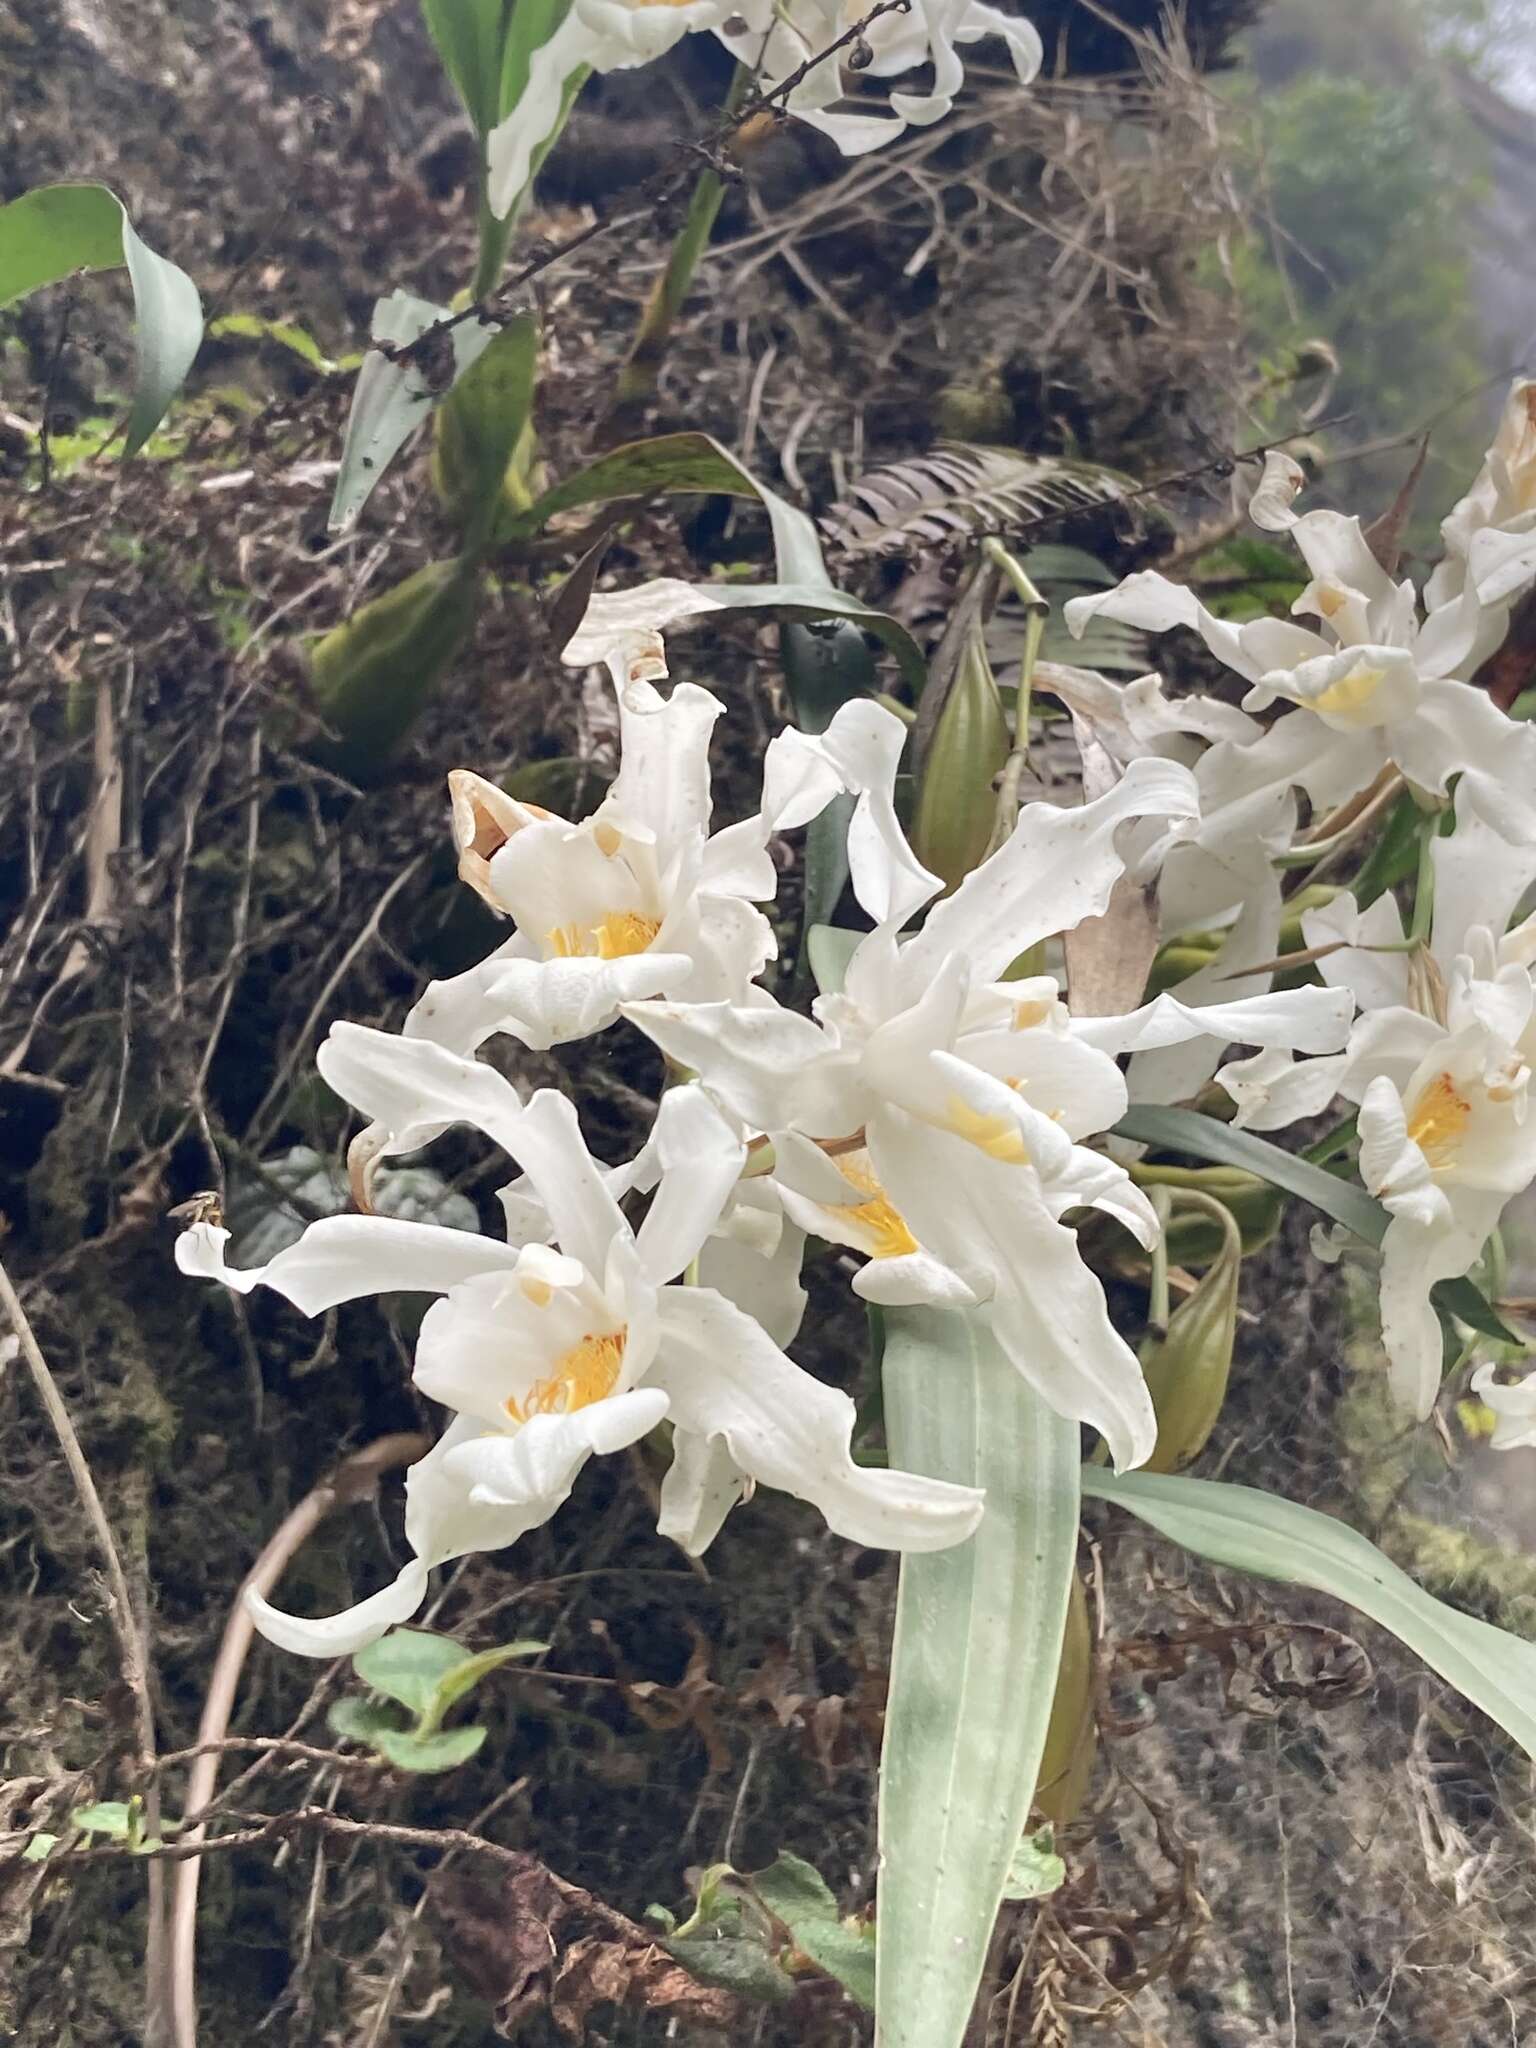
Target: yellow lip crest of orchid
[(990, 1132), (588, 1372), (615, 937), (879, 1218), (1350, 693), (1439, 1120)]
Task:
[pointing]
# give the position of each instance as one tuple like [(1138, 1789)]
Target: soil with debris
[(1293, 1835)]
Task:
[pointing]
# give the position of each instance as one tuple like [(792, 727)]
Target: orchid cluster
[(943, 1114), (781, 43)]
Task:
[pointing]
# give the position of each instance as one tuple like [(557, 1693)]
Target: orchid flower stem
[(1424, 885), (1161, 1199), (1037, 610), (494, 237), (637, 379), (1321, 853), (1011, 780)]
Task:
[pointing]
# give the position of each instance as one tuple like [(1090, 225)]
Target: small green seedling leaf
[(846, 1952), (362, 1720), (286, 333), (733, 1963), (408, 1665), (463, 1678), (114, 1817), (1036, 1870), (40, 1848), (439, 1752), (795, 1892)]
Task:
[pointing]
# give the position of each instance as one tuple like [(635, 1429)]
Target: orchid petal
[(408, 1085), (1056, 868), (1272, 1089), (585, 1217), (342, 1635), (550, 1002), (1302, 1020), (725, 1378), (342, 1258), (759, 1273), (1047, 1311), (701, 1486), (1514, 1408), (701, 1158), (772, 1067)]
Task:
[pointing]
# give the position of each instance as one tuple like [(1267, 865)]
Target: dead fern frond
[(958, 491)]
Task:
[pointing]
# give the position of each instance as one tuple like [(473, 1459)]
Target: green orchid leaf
[(1257, 1532), (687, 462), (695, 462), (48, 234), (479, 425), (973, 1667), (409, 1665), (1203, 1137), (392, 398), (442, 1751), (469, 36)]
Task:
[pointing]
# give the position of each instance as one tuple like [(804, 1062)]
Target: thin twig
[(55, 365), (352, 1479), (130, 1641)]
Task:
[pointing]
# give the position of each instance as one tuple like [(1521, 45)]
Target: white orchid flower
[(931, 1117), (773, 38), (1490, 535), (637, 900), (1374, 688), (1514, 1408), (776, 39), (1379, 686), (1440, 1065), (550, 1354)]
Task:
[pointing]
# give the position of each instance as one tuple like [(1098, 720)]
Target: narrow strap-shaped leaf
[(973, 1671), (1203, 1137), (1276, 1539)]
